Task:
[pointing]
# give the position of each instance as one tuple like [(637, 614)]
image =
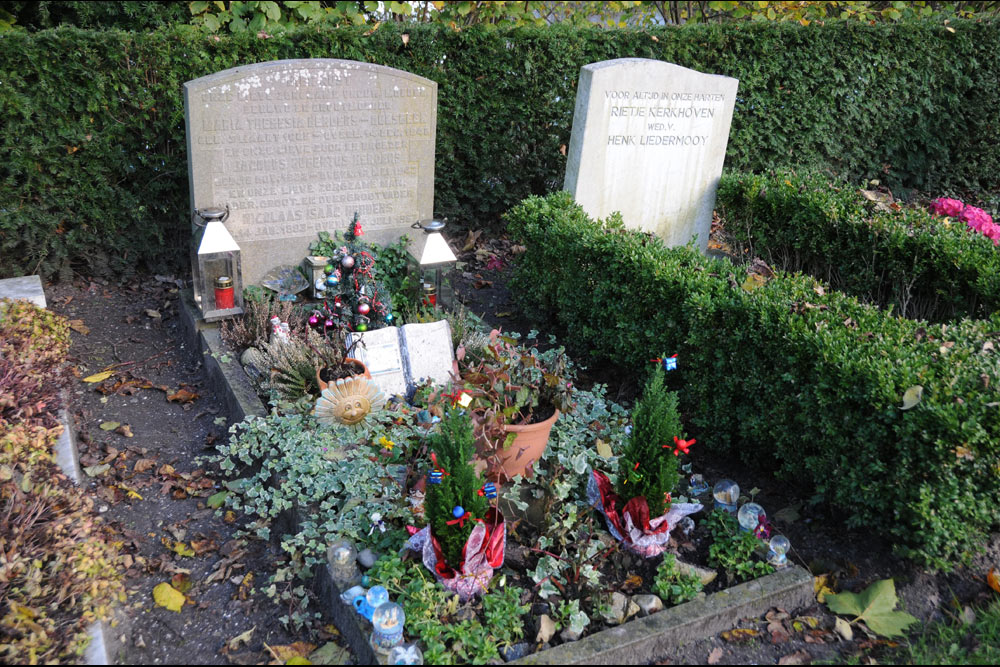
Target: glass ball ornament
[(363, 308), (332, 280), (698, 485), (726, 493), (749, 516), (342, 557), (458, 511), (347, 262), (377, 596), (366, 581), (389, 318), (779, 546), (313, 320), (406, 655), (387, 627), (328, 269), (328, 323), (362, 327)]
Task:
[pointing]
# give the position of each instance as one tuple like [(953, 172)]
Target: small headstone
[(295, 147), (649, 139), (27, 288)]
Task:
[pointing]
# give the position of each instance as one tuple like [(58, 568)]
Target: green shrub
[(790, 377), (644, 468), (94, 175), (922, 266)]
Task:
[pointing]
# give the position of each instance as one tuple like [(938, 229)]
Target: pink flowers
[(975, 218)]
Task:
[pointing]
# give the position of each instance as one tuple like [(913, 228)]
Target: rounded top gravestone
[(648, 140), (295, 147)]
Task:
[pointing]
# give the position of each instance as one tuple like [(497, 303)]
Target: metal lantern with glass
[(215, 265), (431, 262)]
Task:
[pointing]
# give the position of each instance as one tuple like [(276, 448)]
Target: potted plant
[(517, 393), (640, 512), (465, 536), (334, 361)]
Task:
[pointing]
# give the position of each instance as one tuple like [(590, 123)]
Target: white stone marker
[(295, 147), (649, 139)]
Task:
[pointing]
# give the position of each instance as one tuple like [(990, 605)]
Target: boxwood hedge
[(94, 176), (922, 266), (789, 376)]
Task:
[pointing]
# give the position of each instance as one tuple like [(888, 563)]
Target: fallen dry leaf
[(715, 655), (125, 430), (992, 580), (181, 582), (182, 395), (740, 634), (155, 314), (167, 596), (79, 327), (798, 658), (142, 465), (99, 377), (246, 585), (843, 628), (285, 653), (243, 639)]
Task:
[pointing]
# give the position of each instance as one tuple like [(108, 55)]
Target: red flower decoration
[(682, 445)]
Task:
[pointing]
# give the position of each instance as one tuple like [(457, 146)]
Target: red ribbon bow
[(460, 520), (682, 445)]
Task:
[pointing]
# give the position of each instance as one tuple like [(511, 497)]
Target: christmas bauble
[(328, 323), (388, 317), (328, 268), (347, 262), (332, 280), (363, 308), (313, 320), (458, 512), (362, 327)]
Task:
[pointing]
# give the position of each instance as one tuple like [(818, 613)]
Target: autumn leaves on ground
[(194, 589)]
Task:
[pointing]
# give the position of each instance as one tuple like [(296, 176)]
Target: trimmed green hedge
[(789, 377), (94, 171), (922, 266)]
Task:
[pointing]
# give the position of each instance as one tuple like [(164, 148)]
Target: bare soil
[(154, 490)]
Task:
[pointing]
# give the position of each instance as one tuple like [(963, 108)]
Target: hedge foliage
[(790, 376), (60, 570), (94, 174), (920, 265)]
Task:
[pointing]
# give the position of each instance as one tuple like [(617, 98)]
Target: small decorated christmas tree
[(356, 300), (453, 500), (648, 467)]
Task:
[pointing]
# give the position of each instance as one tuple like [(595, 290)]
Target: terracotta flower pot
[(347, 360), (528, 447)]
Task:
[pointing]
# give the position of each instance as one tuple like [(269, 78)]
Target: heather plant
[(645, 469)]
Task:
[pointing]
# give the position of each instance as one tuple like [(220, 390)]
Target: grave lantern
[(431, 262), (215, 264)]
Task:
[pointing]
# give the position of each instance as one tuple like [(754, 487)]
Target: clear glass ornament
[(779, 546), (377, 596), (749, 516), (406, 655), (726, 493), (387, 627)]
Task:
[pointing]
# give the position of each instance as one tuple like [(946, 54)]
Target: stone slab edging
[(640, 640), (643, 640)]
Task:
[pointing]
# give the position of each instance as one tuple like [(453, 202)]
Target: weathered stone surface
[(705, 576), (648, 604), (632, 609), (295, 147), (617, 607), (254, 364), (28, 288), (649, 139), (517, 651), (570, 635), (648, 639)]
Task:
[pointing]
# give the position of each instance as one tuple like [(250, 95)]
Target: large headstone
[(649, 139), (295, 147)]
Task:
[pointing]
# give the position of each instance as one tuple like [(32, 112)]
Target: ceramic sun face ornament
[(349, 401)]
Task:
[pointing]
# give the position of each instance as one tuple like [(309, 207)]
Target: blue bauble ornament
[(388, 317), (332, 280), (458, 512)]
